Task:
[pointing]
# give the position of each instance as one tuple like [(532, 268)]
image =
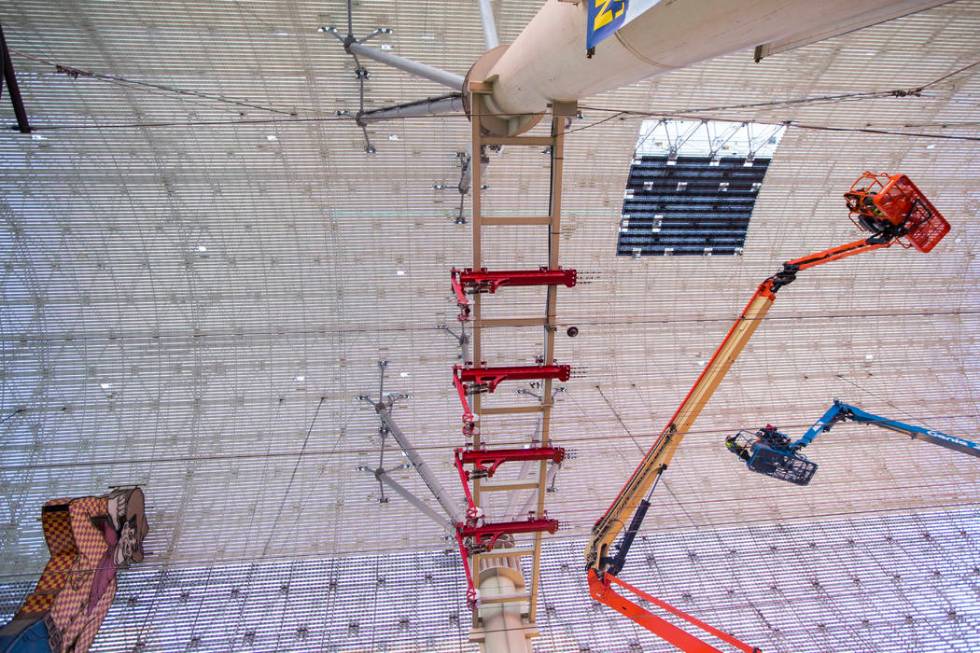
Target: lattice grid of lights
[(880, 583)]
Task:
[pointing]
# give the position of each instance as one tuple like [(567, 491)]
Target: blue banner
[(605, 17)]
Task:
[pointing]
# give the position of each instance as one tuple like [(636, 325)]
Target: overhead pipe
[(548, 60)]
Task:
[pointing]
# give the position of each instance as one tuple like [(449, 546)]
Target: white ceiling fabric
[(104, 281)]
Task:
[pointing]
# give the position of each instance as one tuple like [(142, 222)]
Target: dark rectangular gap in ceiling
[(689, 205)]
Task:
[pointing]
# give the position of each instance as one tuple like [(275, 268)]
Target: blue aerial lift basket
[(769, 452), (793, 468)]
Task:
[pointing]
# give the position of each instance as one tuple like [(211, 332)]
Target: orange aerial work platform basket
[(892, 205)]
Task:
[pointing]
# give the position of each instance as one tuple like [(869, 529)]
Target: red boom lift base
[(601, 590)]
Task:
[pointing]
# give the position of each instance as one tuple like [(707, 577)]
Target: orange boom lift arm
[(895, 211)]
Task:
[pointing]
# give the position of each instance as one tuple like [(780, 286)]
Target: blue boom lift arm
[(771, 453)]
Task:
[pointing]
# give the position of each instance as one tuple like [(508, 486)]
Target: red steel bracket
[(484, 538), (486, 379), (488, 281), (481, 458), (472, 594)]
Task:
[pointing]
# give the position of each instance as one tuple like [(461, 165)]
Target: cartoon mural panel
[(89, 540)]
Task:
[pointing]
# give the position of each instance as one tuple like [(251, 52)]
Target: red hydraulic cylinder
[(469, 423), (488, 281), (486, 379)]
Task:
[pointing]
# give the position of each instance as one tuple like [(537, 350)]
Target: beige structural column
[(502, 589), (504, 621)]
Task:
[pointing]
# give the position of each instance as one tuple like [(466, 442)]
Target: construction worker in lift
[(768, 435), (740, 450)]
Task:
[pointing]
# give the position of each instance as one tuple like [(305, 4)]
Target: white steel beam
[(384, 477), (446, 78), (439, 492), (490, 37)]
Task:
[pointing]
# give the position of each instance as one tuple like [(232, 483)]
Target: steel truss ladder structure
[(488, 548)]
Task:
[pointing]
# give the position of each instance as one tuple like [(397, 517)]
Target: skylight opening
[(692, 187)]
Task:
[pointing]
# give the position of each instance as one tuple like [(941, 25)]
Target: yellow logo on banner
[(607, 11)]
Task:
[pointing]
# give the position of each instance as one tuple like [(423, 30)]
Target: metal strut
[(431, 106), (384, 476), (13, 90), (383, 408), (384, 412)]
